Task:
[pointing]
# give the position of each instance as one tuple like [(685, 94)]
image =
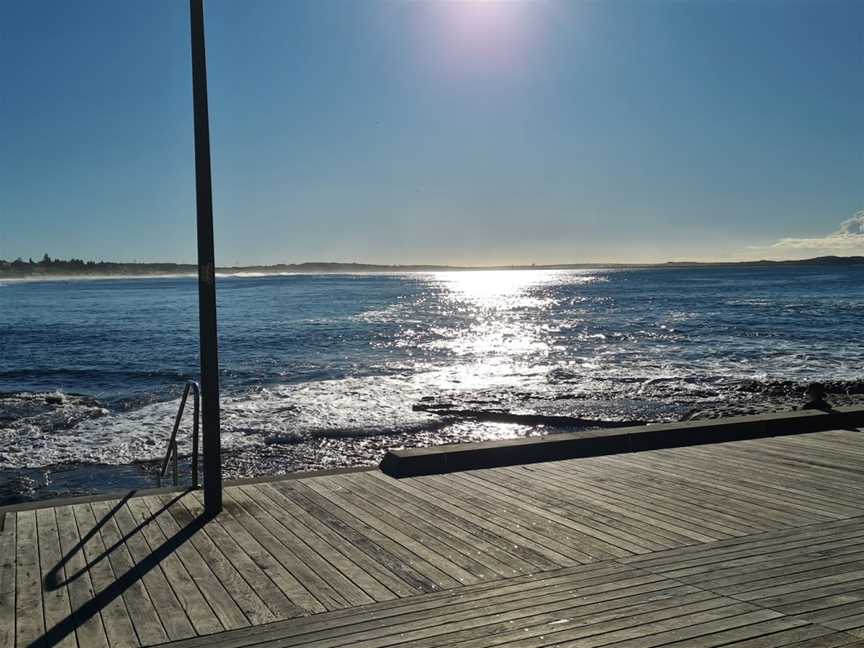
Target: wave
[(60, 428), (45, 428)]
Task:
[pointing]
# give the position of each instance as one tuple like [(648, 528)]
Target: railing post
[(175, 469), (206, 268)]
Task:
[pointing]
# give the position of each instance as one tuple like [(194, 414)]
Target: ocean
[(330, 370)]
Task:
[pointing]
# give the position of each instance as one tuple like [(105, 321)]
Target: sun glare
[(479, 37)]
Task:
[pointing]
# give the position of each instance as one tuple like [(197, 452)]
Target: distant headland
[(55, 268)]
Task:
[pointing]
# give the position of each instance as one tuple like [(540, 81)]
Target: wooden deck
[(752, 543)]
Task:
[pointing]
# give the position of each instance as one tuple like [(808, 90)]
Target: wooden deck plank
[(790, 482), (579, 506), (281, 577), (759, 573), (575, 491), (779, 503), (252, 606), (55, 596), (503, 564), (365, 587), (310, 503), (513, 538), (740, 484), (567, 628), (394, 585), (540, 527), (651, 514), (662, 498), (115, 615), (446, 572), (258, 579), (142, 612), (808, 636), (87, 625), (482, 618), (433, 537), (8, 565), (419, 573), (743, 516), (822, 536), (492, 532), (227, 610), (28, 587), (349, 593), (183, 586), (772, 633), (171, 613), (312, 581), (533, 531), (596, 543)]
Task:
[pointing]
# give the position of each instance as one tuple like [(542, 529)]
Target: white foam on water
[(278, 414), (78, 430), (275, 415)]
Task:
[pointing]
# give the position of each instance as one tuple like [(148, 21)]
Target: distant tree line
[(60, 267), (21, 268), (46, 262)]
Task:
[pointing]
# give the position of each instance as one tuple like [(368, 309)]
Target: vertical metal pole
[(206, 269)]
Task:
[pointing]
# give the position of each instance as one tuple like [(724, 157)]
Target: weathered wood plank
[(55, 597), (444, 571), (493, 533), (252, 606), (8, 564), (493, 559), (365, 584), (28, 587), (393, 586), (431, 537), (320, 588), (293, 589), (139, 604), (86, 621), (259, 581), (349, 593), (171, 613), (184, 587), (223, 605), (650, 512), (749, 544), (580, 507), (409, 567), (509, 492), (115, 615)]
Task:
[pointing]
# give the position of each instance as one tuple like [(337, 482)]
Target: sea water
[(330, 370)]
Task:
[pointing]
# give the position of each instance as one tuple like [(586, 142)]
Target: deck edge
[(414, 462)]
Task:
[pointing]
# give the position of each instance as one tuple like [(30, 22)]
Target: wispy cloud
[(847, 240)]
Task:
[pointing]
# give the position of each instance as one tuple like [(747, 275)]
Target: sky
[(440, 131)]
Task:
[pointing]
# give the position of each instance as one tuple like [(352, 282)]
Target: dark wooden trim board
[(413, 462)]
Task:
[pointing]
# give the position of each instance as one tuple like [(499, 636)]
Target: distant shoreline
[(64, 270)]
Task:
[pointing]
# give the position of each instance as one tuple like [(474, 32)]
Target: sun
[(479, 37)]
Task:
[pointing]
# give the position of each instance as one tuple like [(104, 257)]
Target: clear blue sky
[(475, 131)]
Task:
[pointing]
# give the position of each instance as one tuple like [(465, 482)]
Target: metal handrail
[(172, 442)]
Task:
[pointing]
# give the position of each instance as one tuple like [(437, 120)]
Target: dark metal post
[(206, 269)]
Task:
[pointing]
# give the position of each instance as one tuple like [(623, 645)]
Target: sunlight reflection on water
[(496, 312)]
